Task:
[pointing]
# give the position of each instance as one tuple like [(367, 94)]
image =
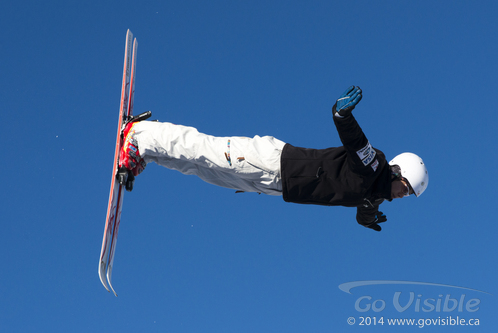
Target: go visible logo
[(416, 301)]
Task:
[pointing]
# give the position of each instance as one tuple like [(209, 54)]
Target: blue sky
[(192, 257)]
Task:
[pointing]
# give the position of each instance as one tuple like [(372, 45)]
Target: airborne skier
[(353, 175)]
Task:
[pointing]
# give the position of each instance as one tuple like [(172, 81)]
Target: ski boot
[(131, 163)]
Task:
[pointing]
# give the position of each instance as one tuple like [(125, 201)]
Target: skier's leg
[(247, 164)]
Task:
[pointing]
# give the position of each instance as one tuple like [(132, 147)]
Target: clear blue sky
[(192, 257)]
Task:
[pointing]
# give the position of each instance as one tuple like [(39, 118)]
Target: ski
[(116, 192)]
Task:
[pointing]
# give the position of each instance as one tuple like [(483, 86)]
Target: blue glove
[(346, 103), (379, 218)]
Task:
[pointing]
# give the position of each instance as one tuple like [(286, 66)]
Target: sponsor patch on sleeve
[(375, 164), (366, 154)]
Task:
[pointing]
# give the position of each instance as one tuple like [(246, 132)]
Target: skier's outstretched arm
[(360, 151)]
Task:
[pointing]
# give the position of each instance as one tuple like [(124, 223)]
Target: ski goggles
[(407, 189)]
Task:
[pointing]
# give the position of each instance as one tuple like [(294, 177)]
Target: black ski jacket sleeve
[(361, 154)]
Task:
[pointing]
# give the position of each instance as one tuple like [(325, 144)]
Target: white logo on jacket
[(366, 154)]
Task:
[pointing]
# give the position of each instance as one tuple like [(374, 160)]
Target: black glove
[(346, 103), (379, 218)]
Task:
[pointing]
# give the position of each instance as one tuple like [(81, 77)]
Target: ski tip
[(113, 291), (105, 285), (109, 276), (102, 275)]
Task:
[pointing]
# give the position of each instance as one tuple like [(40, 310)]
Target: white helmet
[(414, 170)]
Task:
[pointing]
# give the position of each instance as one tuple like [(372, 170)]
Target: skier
[(353, 175)]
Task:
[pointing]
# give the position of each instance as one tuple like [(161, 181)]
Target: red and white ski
[(117, 190)]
